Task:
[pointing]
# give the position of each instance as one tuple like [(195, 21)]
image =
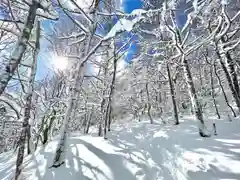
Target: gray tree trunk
[(20, 48), (112, 86), (223, 91), (230, 82), (172, 90), (28, 100), (78, 80), (232, 71), (149, 105), (195, 102), (213, 92)]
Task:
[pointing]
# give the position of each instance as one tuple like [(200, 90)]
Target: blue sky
[(130, 5)]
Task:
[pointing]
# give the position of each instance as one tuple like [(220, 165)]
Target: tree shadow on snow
[(157, 150), (149, 152), (73, 168)]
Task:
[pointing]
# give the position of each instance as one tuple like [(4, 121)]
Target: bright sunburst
[(59, 63)]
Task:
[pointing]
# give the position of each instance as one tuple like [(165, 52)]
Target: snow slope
[(139, 151)]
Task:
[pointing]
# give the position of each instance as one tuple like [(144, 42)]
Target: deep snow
[(139, 151)]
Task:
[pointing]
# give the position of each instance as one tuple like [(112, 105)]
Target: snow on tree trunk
[(223, 91), (194, 99), (213, 92), (112, 86), (89, 121), (105, 101), (229, 80), (60, 154), (172, 90), (27, 109), (103, 113), (149, 105), (73, 94), (232, 71), (48, 127), (20, 48)]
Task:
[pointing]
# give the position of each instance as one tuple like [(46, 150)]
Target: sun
[(59, 63)]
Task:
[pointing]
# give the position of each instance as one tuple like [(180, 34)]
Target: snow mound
[(139, 151)]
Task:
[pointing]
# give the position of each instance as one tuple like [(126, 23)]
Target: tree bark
[(104, 108), (195, 102), (89, 122), (48, 127), (233, 73), (20, 48), (149, 105), (78, 80), (222, 88), (28, 105), (213, 92), (172, 90), (230, 83), (112, 89)]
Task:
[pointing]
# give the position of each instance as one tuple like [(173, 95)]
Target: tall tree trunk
[(89, 121), (39, 132), (213, 92), (78, 80), (112, 86), (106, 122), (104, 108), (195, 102), (200, 72), (172, 90), (233, 73), (48, 127), (20, 48), (28, 105), (110, 117), (223, 91), (59, 156), (229, 80), (28, 140), (149, 105)]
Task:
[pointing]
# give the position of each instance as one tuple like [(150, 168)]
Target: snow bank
[(139, 151)]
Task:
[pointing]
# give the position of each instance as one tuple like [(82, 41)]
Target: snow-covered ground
[(139, 151)]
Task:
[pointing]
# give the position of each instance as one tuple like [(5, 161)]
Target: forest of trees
[(178, 68)]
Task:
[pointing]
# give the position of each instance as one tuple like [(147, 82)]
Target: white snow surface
[(139, 151)]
